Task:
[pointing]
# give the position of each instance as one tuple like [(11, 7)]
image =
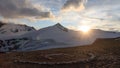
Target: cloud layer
[(76, 5), (97, 13), (21, 9)]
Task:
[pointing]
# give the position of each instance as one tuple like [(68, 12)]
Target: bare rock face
[(1, 24)]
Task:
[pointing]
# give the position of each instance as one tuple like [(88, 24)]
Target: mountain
[(63, 37), (60, 33), (56, 36), (8, 31), (10, 28)]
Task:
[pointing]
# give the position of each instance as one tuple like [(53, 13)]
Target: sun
[(84, 28)]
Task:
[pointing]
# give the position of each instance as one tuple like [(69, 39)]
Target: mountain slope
[(59, 33), (56, 36), (63, 37), (10, 30), (56, 32)]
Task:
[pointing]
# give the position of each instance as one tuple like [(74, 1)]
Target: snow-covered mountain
[(63, 37), (59, 33), (56, 32), (56, 36), (10, 28)]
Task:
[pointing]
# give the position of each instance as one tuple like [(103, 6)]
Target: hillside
[(9, 29), (55, 36), (103, 53)]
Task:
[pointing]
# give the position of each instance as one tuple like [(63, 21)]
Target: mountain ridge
[(10, 28), (56, 36)]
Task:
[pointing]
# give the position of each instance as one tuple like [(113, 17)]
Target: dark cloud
[(21, 8), (73, 3)]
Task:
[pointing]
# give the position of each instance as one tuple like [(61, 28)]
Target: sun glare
[(84, 28)]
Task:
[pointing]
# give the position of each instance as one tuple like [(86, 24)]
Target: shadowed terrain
[(103, 53)]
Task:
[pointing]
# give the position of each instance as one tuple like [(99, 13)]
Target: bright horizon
[(77, 14)]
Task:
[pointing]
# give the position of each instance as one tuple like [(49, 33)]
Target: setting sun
[(84, 28)]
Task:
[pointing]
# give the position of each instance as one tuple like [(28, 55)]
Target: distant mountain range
[(24, 38)]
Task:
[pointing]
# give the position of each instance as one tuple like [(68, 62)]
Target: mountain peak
[(58, 25)]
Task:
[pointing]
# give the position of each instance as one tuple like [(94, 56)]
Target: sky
[(98, 14)]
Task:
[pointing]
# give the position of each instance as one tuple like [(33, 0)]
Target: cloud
[(74, 5), (22, 9), (108, 10)]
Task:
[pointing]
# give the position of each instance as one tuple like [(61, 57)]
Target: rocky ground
[(103, 53)]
